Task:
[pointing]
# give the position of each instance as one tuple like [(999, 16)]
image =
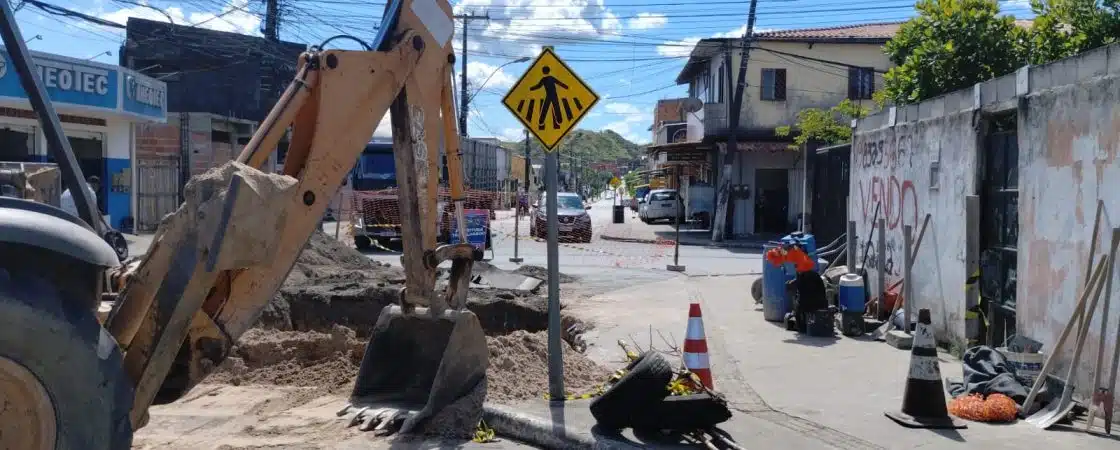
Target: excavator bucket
[(422, 373), (424, 369)]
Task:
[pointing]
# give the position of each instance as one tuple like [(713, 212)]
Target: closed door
[(771, 204)]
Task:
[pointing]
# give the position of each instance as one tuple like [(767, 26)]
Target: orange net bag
[(995, 408)]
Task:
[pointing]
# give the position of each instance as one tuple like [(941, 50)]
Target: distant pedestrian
[(67, 203)]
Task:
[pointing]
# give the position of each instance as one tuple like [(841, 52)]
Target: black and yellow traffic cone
[(923, 403)]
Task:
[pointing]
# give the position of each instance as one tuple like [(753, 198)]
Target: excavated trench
[(313, 333)]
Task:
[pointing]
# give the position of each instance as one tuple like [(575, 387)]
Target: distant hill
[(589, 146)]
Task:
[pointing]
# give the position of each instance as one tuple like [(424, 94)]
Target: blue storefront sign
[(145, 96), (89, 85), (478, 225)]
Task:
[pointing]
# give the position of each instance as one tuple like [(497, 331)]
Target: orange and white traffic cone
[(923, 401), (696, 347)]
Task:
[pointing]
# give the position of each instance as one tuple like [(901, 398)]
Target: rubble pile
[(313, 333)]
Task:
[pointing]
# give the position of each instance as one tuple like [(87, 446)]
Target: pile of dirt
[(332, 284), (542, 273), (329, 361), (294, 358), (519, 368)]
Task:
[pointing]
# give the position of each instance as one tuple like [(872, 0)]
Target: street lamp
[(495, 72)]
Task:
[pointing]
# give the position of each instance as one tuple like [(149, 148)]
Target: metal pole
[(57, 144), (463, 84), (908, 300), (675, 266), (853, 244), (555, 357), (881, 263), (516, 225)]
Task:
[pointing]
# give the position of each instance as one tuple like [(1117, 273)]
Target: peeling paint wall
[(1069, 143), (1069, 140), (891, 167)]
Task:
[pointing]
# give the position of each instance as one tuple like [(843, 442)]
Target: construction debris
[(314, 332)]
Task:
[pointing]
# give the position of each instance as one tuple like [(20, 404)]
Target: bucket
[(1027, 366), (851, 293)]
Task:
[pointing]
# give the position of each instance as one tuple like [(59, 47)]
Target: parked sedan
[(572, 219)]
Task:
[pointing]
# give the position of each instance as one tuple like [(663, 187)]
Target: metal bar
[(852, 246), (57, 143), (881, 262), (907, 281), (555, 358)]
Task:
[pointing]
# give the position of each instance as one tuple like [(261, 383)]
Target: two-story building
[(787, 72)]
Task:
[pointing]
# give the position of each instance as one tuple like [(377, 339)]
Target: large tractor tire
[(61, 374), (644, 384)]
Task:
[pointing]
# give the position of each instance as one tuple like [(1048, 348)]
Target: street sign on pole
[(550, 99)]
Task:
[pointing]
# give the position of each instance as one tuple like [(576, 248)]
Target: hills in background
[(588, 146)]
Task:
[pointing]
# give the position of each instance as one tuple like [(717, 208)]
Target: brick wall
[(156, 140), (668, 111)]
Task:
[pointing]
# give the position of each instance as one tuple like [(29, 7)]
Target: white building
[(98, 106)]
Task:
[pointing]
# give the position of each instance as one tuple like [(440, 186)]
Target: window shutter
[(767, 80), (855, 79), (779, 84)]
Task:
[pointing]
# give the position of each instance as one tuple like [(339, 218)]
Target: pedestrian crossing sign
[(550, 99)]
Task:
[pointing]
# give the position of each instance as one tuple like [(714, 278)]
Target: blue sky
[(629, 51)]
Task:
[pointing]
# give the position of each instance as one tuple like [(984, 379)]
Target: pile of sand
[(519, 368), (329, 361)]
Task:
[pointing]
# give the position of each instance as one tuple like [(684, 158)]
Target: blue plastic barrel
[(808, 243), (851, 293), (775, 300)]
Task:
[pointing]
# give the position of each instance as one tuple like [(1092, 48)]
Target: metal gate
[(158, 193), (829, 192), (999, 225)]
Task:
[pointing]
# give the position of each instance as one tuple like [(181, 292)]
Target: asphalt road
[(604, 265)]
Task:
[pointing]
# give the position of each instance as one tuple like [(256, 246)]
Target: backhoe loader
[(72, 380)]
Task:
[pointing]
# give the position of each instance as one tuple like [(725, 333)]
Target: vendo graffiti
[(898, 197)]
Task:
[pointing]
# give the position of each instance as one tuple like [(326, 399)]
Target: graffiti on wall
[(883, 166)]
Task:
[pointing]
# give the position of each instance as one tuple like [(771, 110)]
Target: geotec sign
[(89, 85)]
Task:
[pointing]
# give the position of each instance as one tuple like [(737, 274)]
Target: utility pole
[(723, 194), (463, 72), (272, 20)]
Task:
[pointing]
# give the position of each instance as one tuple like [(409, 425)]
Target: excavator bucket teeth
[(428, 368)]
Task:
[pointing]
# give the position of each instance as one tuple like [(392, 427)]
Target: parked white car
[(660, 204)]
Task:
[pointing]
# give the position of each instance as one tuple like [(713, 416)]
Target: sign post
[(517, 221), (549, 100)]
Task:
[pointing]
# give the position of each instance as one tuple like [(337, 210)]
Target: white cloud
[(385, 128), (631, 122), (646, 21), (479, 72), (513, 134), (234, 17), (519, 27), (684, 46)]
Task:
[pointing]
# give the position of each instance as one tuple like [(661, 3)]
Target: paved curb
[(747, 245)]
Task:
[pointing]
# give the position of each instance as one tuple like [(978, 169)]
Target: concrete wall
[(891, 167), (1068, 140)]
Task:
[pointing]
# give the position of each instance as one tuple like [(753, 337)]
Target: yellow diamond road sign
[(550, 99)]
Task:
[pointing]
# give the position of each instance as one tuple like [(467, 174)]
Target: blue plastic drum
[(775, 299), (851, 293)]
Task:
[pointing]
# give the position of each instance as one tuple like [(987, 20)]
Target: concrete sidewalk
[(634, 230), (831, 392)]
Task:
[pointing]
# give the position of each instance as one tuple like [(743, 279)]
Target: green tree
[(832, 126), (950, 45), (1064, 28)]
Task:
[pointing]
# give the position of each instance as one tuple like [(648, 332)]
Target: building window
[(773, 85), (704, 89), (722, 83), (861, 83)]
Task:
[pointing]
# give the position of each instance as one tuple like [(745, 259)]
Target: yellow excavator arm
[(217, 261)]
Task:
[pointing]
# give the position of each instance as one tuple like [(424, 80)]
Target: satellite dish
[(692, 104)]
